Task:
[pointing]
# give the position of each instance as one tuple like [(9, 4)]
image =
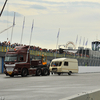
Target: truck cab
[(17, 62)]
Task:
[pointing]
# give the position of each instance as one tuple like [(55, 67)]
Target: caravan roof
[(65, 59)]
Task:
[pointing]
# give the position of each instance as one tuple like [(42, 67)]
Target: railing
[(33, 52), (3, 48), (91, 61)]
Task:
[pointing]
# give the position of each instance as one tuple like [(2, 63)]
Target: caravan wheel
[(59, 73), (69, 73)]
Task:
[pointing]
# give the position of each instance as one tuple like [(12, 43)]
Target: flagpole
[(31, 33), (12, 29), (83, 46), (76, 43), (57, 41), (22, 30), (79, 45), (86, 46)]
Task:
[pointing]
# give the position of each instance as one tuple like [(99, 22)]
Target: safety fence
[(34, 52), (82, 61), (40, 53)]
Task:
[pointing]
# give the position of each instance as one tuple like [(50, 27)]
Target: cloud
[(38, 7), (65, 1), (73, 17), (76, 5), (90, 16), (79, 3), (5, 21), (11, 13), (43, 1), (83, 4), (51, 6)]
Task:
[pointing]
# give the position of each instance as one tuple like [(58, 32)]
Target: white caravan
[(64, 65)]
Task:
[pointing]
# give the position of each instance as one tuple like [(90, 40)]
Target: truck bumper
[(11, 72)]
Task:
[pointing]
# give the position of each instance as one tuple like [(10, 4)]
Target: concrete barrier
[(88, 69), (92, 95)]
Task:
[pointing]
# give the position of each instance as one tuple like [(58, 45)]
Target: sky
[(75, 18)]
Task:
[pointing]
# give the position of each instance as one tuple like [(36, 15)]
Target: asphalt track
[(51, 87)]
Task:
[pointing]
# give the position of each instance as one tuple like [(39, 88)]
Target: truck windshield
[(56, 63), (10, 58)]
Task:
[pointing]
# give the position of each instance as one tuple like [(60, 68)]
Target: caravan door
[(65, 66)]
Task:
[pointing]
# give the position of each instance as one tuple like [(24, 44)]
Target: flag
[(31, 33), (14, 19), (58, 33), (80, 41), (76, 39), (23, 23), (22, 30), (86, 42), (32, 26)]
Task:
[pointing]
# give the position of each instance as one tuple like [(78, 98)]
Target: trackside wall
[(88, 69), (92, 95)]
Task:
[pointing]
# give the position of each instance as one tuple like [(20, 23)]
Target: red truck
[(18, 62)]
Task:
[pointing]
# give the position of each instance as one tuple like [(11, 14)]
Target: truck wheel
[(59, 73), (11, 75), (48, 72), (24, 72), (45, 72), (38, 72)]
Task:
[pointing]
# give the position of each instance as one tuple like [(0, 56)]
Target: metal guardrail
[(33, 52), (3, 48)]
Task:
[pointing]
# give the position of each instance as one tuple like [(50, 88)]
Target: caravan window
[(65, 63), (56, 63)]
